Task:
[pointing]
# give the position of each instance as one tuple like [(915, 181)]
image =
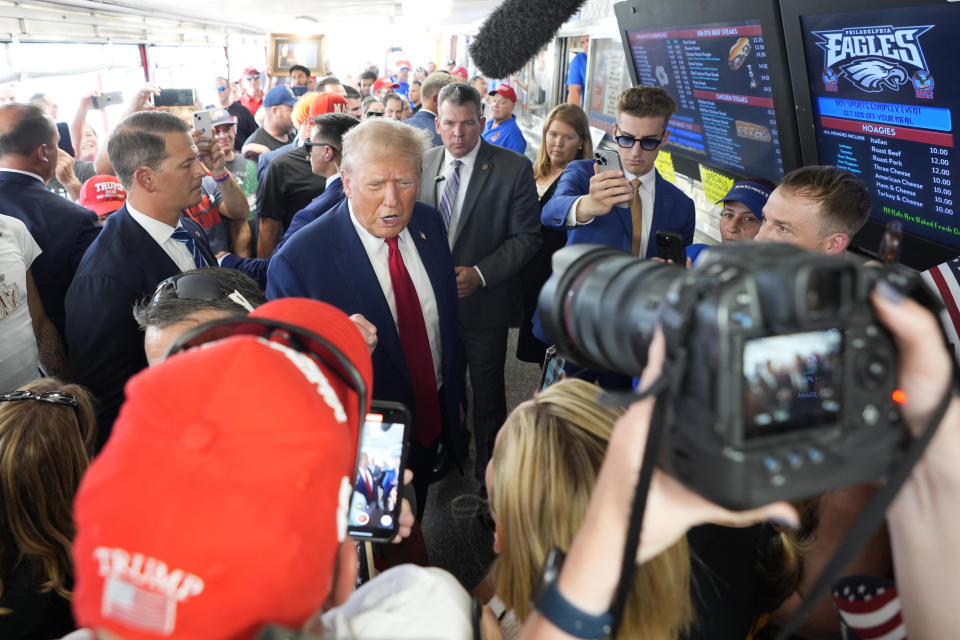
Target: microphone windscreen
[(516, 31)]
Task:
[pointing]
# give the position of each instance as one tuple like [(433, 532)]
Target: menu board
[(883, 86), (720, 78)]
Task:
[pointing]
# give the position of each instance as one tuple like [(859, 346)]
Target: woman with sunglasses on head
[(46, 438), (544, 466), (566, 137)]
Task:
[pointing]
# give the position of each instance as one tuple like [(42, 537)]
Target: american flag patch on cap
[(138, 607)]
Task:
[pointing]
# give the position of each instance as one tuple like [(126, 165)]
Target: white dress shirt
[(162, 234), (648, 194), (378, 253)]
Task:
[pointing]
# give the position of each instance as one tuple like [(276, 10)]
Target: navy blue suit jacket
[(256, 268), (122, 266), (63, 230), (672, 211), (327, 261), (425, 120)]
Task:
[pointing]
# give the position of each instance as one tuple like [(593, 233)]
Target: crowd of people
[(348, 241)]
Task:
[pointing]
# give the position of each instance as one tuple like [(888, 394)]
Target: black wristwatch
[(554, 607)]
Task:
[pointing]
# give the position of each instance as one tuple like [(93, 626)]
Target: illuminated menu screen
[(883, 86), (720, 78)]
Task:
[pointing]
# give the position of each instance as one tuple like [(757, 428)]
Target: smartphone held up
[(378, 482)]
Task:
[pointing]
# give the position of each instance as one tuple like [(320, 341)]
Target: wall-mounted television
[(724, 63), (877, 87)]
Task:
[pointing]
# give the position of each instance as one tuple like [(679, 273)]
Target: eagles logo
[(873, 75)]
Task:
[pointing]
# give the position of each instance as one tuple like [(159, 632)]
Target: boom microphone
[(515, 31)]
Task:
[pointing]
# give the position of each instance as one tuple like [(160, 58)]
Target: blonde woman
[(544, 466)]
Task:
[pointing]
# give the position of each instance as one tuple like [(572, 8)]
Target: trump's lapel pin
[(423, 236)]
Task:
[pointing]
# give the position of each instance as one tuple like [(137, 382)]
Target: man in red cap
[(383, 86), (502, 129), (252, 86), (212, 513), (103, 195), (289, 183)]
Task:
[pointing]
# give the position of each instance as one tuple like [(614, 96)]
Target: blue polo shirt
[(507, 135)]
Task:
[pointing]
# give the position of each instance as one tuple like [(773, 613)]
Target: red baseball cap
[(384, 83), (212, 511), (506, 91), (329, 103), (460, 71), (102, 194), (404, 63), (249, 71)]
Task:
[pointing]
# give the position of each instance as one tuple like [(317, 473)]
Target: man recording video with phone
[(624, 209)]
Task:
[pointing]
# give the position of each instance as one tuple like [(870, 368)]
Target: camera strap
[(628, 565), (870, 518)]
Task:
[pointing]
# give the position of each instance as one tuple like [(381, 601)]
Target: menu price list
[(910, 181), (719, 77)]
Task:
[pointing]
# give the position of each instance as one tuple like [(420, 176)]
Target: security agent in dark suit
[(142, 244), (64, 230), (382, 255), (487, 198)]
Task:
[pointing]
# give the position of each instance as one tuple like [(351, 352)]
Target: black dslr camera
[(782, 379)]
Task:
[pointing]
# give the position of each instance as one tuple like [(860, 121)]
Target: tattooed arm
[(53, 357)]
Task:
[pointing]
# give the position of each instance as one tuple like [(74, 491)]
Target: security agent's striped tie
[(450, 194), (182, 235)]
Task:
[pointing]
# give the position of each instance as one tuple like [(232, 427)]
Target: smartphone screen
[(553, 364), (377, 485)]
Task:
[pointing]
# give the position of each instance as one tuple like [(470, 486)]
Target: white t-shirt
[(20, 362)]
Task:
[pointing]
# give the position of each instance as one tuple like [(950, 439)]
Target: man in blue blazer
[(64, 230), (326, 140), (625, 209), (141, 245), (426, 116), (354, 258)]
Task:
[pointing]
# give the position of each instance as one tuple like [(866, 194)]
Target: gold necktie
[(636, 216)]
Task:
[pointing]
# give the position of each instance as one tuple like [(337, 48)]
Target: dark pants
[(420, 460), (485, 352)]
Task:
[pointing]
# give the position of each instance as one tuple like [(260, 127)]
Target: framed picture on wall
[(287, 50)]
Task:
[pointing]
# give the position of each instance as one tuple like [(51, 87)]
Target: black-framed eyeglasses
[(62, 398), (313, 345), (647, 144), (374, 114), (309, 144), (197, 286)]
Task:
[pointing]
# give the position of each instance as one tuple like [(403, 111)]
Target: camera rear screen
[(792, 381), (375, 487)]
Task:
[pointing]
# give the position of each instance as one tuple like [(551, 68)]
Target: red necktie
[(416, 349)]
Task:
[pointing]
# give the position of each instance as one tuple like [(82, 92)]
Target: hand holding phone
[(203, 123), (670, 247), (608, 188), (553, 364), (375, 503), (106, 99)]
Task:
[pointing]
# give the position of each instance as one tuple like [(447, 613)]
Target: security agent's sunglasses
[(374, 114), (197, 286), (62, 398), (647, 144), (309, 144)]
